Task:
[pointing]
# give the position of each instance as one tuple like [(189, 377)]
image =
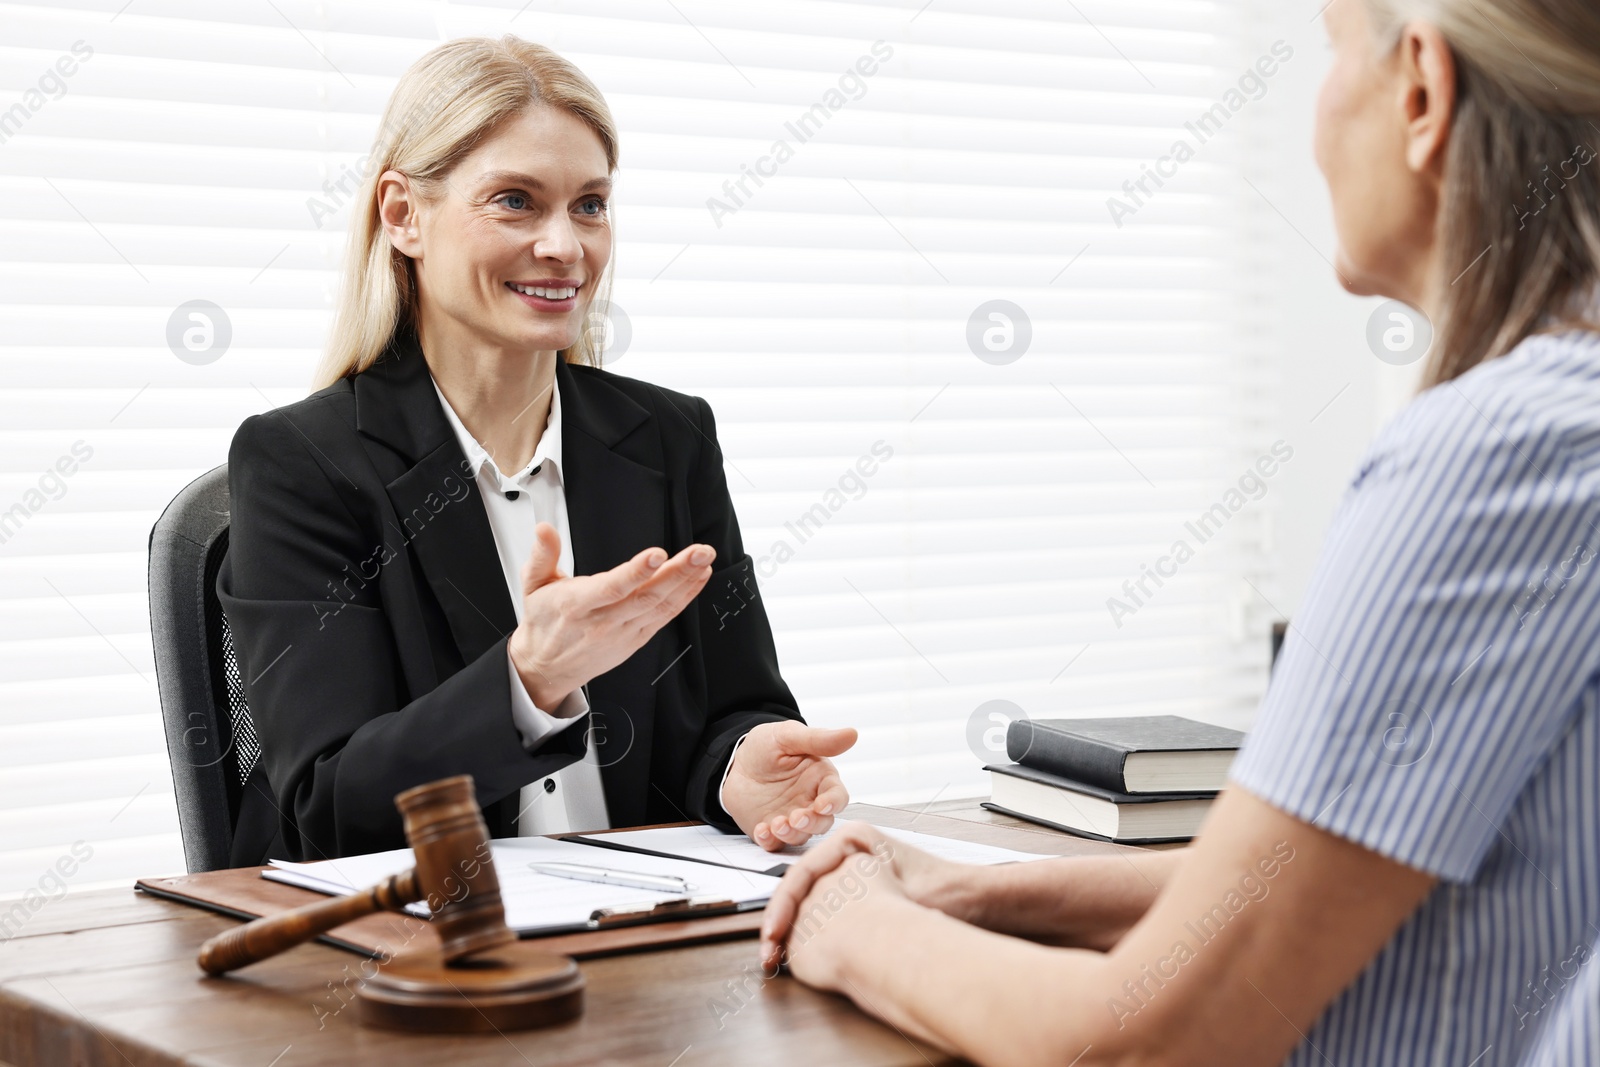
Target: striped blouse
[(1436, 702)]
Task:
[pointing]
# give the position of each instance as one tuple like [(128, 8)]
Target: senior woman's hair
[(444, 106), (1520, 225)]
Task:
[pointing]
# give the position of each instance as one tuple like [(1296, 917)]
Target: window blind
[(968, 405)]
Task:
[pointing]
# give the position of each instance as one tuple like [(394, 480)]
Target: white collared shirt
[(572, 798)]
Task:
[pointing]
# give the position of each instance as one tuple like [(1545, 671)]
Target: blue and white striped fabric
[(1436, 701)]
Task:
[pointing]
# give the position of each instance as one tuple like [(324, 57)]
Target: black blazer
[(370, 612)]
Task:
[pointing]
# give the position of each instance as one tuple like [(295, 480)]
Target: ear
[(399, 212), (1428, 101)]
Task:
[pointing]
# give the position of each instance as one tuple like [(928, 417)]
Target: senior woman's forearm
[(1083, 901), (995, 1000)]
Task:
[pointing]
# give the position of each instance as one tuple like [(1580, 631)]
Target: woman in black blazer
[(386, 632)]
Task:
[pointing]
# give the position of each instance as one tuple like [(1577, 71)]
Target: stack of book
[(1136, 780)]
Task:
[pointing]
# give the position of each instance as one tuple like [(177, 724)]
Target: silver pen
[(582, 872)]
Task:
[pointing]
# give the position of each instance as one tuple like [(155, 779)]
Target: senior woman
[(1406, 867), (472, 551)]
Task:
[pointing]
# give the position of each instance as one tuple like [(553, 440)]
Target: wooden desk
[(108, 979)]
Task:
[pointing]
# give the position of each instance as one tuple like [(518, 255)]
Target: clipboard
[(666, 911), (242, 893), (598, 840)]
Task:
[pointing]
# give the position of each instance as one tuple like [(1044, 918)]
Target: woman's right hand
[(574, 629)]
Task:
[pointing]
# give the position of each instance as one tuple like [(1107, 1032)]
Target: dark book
[(1090, 811), (1143, 754)]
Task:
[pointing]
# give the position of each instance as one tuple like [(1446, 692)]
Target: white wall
[(1318, 330)]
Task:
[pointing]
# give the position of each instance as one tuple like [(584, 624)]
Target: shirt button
[(549, 785)]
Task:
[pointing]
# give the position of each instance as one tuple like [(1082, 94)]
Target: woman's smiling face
[(519, 236)]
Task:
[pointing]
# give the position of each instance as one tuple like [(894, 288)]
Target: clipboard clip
[(677, 908)]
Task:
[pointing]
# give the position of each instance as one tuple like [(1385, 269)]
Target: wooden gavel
[(454, 874), (482, 978)]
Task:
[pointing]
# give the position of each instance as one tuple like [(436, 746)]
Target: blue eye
[(521, 201), (598, 206)]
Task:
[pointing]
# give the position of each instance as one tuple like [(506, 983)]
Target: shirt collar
[(546, 454)]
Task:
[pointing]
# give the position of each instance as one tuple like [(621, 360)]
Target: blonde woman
[(1406, 868), (472, 550)]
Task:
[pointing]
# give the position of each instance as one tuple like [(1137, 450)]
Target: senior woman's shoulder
[(1547, 387), (1537, 405)]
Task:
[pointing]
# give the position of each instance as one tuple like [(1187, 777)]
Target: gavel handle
[(261, 938)]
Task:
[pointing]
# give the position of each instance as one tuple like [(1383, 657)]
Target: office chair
[(211, 740)]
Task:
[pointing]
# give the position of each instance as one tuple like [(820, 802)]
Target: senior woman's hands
[(1086, 901), (847, 880), (575, 629)]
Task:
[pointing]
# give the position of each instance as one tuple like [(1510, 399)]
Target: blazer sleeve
[(339, 734), (740, 660)]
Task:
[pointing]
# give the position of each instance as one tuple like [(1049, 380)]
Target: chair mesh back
[(246, 749), (241, 749)]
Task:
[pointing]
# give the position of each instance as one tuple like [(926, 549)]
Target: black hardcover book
[(1090, 811), (1142, 754)]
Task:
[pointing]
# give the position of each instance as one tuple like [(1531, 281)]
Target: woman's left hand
[(782, 787)]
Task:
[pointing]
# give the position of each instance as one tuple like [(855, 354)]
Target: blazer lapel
[(616, 504), (439, 512), (455, 547)]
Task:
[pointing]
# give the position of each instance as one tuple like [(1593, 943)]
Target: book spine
[(1077, 758)]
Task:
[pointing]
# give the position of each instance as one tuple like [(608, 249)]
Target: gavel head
[(455, 870)]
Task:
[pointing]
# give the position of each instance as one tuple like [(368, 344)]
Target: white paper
[(713, 846), (536, 902), (542, 903)]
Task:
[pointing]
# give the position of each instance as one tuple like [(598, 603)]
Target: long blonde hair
[(444, 106), (1521, 201)]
